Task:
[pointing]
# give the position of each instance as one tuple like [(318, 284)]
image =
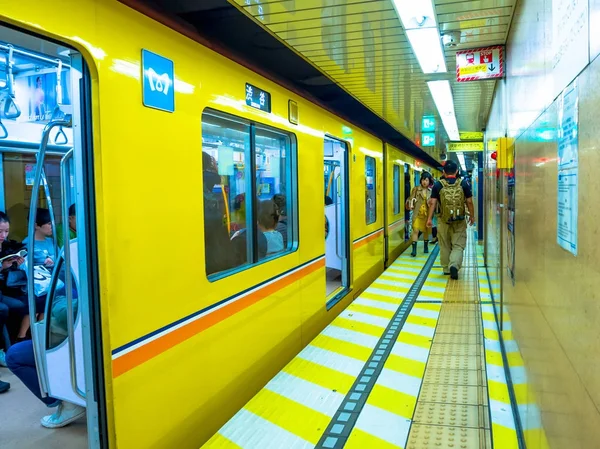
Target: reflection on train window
[(370, 195), (18, 171), (57, 331), (396, 189), (249, 192)]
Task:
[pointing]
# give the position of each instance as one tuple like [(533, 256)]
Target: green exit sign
[(428, 124), (428, 139)]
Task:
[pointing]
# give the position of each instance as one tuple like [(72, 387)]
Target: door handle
[(64, 188)]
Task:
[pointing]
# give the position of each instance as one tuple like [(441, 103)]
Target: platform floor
[(20, 428), (414, 362)]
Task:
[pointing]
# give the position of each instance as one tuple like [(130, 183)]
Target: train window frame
[(291, 178), (396, 191), (374, 189)]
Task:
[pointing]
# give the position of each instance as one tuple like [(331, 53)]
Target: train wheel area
[(414, 361)]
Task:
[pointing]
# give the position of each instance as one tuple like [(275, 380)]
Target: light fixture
[(461, 160), (416, 13), (442, 97), (419, 22), (426, 45)]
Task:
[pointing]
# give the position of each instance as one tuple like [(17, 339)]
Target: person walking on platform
[(454, 197), (417, 202)]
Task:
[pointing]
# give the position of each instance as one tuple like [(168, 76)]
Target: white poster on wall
[(570, 24), (568, 168)]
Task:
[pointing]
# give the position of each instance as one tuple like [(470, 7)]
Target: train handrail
[(64, 187), (39, 168)]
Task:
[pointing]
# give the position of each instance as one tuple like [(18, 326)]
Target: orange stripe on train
[(368, 239), (140, 355)]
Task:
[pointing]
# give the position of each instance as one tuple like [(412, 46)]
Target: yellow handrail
[(226, 209)]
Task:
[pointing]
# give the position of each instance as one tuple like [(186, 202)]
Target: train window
[(273, 182), (370, 189), (249, 188), (396, 189)]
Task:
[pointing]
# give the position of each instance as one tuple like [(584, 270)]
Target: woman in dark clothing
[(12, 310)]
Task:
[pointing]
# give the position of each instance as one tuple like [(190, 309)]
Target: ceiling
[(361, 46), (350, 56)]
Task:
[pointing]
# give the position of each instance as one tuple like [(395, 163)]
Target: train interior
[(336, 218), (39, 87)]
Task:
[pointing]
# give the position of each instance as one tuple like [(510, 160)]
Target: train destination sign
[(258, 98), (480, 64)]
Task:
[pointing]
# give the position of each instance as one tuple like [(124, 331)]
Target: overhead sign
[(428, 139), (471, 135), (257, 98), (428, 124), (480, 64), (158, 75), (465, 146)]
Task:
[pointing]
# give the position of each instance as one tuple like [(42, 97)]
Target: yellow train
[(164, 146)]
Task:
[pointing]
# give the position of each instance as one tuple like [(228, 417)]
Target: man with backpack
[(454, 197)]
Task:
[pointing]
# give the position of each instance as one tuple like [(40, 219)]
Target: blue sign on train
[(158, 78), (257, 98)]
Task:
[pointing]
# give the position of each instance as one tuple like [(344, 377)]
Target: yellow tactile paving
[(452, 410)]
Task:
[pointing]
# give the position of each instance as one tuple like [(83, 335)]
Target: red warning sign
[(480, 63)]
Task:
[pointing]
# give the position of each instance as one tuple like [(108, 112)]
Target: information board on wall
[(464, 146), (568, 168), (570, 19)]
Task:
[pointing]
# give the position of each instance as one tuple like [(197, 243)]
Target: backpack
[(452, 199)]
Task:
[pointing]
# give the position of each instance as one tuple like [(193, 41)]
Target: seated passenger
[(12, 303), (72, 228), (268, 217), (21, 362), (43, 245), (282, 227), (240, 248)]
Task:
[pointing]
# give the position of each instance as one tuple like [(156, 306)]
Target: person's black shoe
[(426, 247), (4, 387), (454, 273), (414, 250)]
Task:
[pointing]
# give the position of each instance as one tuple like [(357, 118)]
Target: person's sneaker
[(4, 387), (454, 273), (65, 414), (2, 358)]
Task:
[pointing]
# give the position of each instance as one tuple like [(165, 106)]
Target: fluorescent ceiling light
[(420, 25), (461, 159), (442, 97), (416, 13), (427, 47)]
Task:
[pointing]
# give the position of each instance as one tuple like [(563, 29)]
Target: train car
[(222, 221)]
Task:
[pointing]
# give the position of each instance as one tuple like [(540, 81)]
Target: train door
[(407, 189), (337, 233), (46, 172)]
